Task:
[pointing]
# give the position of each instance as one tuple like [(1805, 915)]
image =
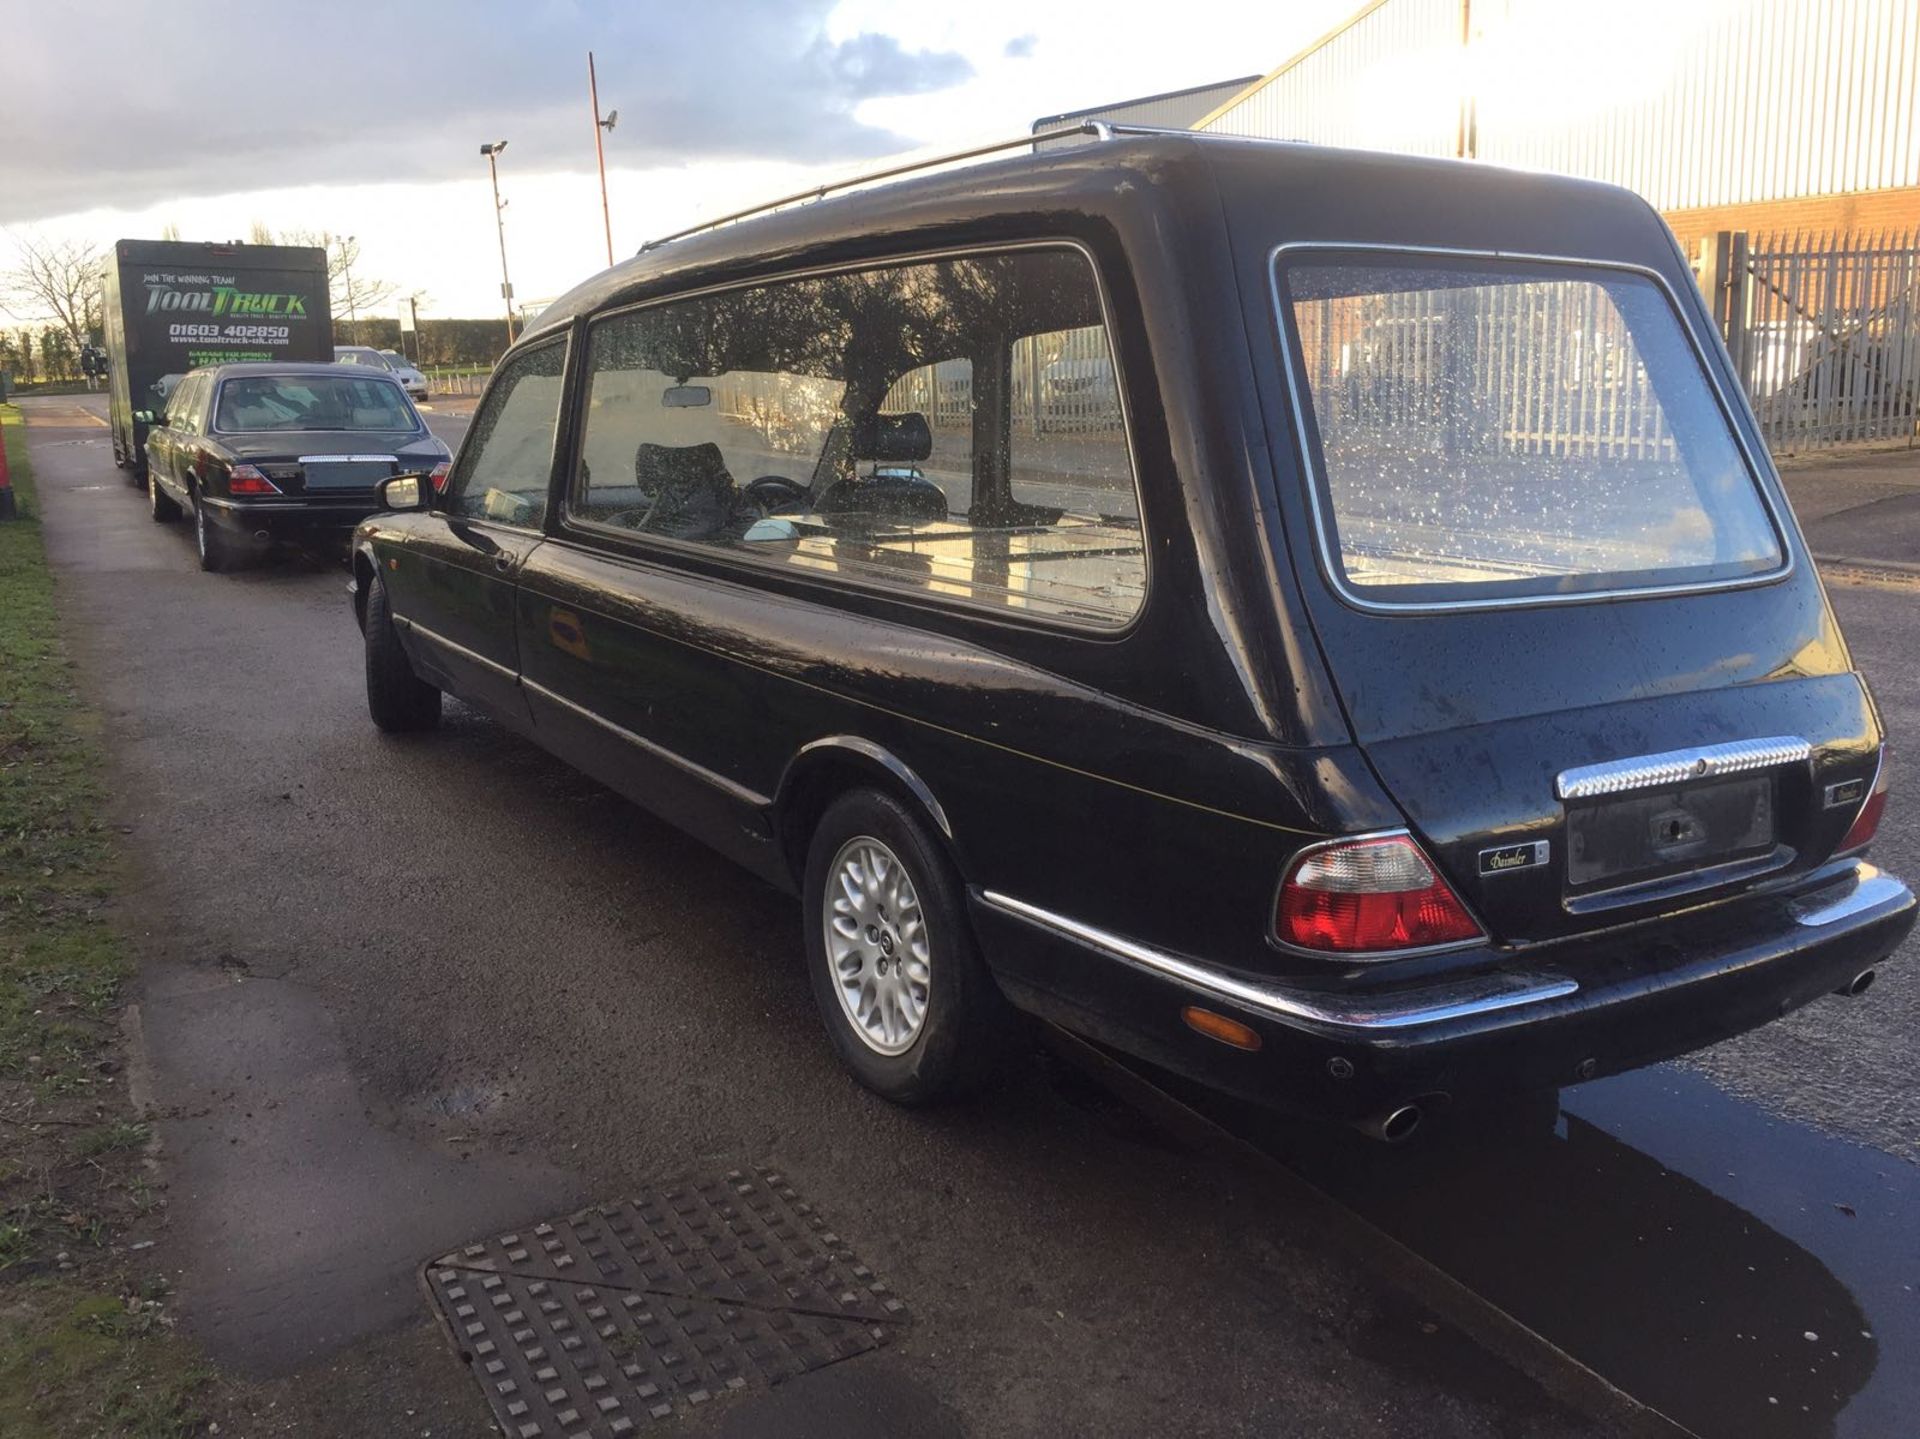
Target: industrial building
[(1759, 115), (1779, 138)]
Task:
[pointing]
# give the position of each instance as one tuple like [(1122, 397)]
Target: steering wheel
[(772, 492), (633, 519)]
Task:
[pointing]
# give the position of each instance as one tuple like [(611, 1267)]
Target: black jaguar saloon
[(1325, 623), (260, 454)]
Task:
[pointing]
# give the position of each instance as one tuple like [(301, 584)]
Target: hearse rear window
[(949, 428), (311, 402), (1486, 430)]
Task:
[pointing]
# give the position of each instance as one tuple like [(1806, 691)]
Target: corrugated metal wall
[(1375, 84), (1713, 102)]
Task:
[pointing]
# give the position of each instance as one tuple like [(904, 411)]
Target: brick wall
[(1867, 210)]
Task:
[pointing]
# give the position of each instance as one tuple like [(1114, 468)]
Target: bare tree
[(170, 230), (260, 233), (56, 280), (350, 291)]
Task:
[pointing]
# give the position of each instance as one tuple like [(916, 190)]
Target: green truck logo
[(224, 300)]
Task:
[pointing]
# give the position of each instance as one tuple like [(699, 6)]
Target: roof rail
[(1099, 129)]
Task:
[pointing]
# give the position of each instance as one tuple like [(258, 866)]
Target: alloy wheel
[(877, 945)]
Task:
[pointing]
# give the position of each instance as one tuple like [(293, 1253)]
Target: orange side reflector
[(1218, 1026)]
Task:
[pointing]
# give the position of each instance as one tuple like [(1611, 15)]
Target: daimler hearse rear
[(1323, 622)]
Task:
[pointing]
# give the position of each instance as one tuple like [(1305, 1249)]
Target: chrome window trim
[(1305, 1009), (1297, 388), (1676, 766), (665, 548), (737, 792)]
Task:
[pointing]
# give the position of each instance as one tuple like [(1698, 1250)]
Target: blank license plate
[(1644, 836), (346, 474)]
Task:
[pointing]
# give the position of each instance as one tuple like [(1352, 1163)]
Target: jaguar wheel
[(398, 699), (208, 542), (162, 506), (896, 974)]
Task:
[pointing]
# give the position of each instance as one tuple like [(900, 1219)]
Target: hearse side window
[(887, 426), (504, 465), (1491, 430)]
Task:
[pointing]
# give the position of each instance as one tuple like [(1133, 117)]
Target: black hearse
[(1324, 622), (266, 454)]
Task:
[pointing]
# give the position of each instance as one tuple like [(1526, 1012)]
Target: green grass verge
[(60, 964), (84, 1347), (93, 1364)]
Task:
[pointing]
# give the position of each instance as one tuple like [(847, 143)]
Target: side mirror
[(402, 492)]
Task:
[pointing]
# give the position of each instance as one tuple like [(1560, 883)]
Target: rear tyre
[(162, 506), (897, 976), (208, 542), (398, 699)]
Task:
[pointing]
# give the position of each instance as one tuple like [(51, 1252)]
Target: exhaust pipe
[(1391, 1126), (1858, 985), (263, 535)]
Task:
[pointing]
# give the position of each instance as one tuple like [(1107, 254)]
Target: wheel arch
[(823, 769)]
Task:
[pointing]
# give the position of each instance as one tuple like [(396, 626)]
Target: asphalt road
[(402, 993)]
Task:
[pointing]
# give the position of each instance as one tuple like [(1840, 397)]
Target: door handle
[(503, 562)]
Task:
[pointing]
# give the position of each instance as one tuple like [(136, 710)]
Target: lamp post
[(601, 128), (492, 151)]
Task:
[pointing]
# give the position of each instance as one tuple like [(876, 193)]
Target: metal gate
[(1824, 331)]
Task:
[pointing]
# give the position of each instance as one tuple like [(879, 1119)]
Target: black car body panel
[(1124, 802), (324, 481)]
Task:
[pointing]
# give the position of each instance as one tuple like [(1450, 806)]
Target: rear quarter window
[(1489, 431)]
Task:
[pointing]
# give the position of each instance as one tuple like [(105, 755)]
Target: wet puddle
[(1742, 1275)]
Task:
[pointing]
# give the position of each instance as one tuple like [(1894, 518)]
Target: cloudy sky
[(366, 118)]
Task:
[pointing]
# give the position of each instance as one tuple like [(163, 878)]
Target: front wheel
[(896, 974), (398, 699)]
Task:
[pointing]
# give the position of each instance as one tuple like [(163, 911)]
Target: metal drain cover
[(599, 1322)]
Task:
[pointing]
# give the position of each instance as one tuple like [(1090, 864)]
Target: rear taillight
[(1866, 823), (1369, 896), (439, 475), (246, 480)]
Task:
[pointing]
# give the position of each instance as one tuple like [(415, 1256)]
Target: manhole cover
[(599, 1322)]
